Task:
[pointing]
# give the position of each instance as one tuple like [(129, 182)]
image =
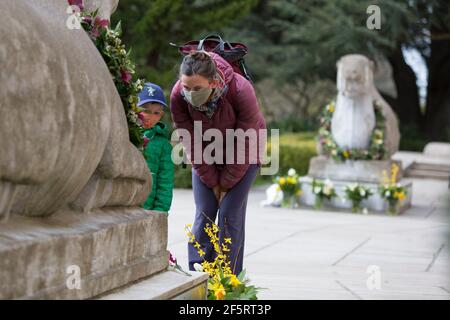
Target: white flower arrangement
[(323, 190), (356, 193)]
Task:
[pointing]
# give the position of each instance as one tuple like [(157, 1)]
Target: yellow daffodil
[(291, 180), (234, 281), (399, 195), (219, 292), (282, 181), (214, 284)]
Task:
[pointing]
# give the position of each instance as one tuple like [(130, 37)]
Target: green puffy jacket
[(158, 156)]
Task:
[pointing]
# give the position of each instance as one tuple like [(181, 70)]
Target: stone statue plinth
[(374, 203), (43, 258), (370, 171)]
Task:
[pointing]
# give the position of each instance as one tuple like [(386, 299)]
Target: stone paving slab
[(307, 254)]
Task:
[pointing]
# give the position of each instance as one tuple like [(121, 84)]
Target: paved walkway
[(307, 254)]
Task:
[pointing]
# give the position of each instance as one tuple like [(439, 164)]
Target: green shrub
[(296, 149), (293, 124), (182, 177)]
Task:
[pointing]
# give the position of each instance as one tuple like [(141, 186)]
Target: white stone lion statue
[(354, 117), (63, 131)]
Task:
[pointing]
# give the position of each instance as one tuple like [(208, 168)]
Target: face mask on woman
[(199, 97)]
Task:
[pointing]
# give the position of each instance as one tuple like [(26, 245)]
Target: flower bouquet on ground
[(322, 190), (392, 191), (291, 188), (356, 193), (222, 283)]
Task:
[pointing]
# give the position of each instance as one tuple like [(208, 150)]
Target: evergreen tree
[(303, 39), (149, 27)]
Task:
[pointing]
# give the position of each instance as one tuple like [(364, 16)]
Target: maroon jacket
[(238, 108)]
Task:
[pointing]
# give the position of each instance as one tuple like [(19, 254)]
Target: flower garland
[(376, 150), (117, 58)]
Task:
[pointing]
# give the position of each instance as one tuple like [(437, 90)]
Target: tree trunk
[(437, 116), (407, 104)]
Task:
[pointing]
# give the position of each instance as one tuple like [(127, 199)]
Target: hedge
[(296, 149)]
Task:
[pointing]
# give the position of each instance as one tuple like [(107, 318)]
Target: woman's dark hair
[(198, 62)]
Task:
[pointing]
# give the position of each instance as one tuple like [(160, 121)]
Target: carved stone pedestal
[(370, 171), (43, 258)]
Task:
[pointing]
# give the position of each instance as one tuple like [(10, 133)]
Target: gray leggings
[(231, 219)]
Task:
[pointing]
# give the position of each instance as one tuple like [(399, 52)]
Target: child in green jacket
[(157, 150)]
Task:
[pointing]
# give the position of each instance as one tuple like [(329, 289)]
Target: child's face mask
[(150, 117)]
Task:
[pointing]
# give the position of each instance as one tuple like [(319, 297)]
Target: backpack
[(233, 52)]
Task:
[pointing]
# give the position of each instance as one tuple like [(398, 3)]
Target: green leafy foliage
[(152, 25), (117, 58)]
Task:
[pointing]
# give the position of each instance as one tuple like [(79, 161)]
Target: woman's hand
[(219, 192), (216, 189), (223, 192)]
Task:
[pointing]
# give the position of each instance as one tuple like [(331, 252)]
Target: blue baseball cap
[(151, 93)]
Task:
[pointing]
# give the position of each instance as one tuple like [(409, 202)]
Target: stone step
[(167, 285), (432, 174), (430, 166)]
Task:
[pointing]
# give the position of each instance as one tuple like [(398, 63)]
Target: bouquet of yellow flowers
[(222, 283), (291, 188), (392, 191)]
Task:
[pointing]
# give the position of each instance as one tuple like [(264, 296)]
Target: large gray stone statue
[(352, 125), (63, 130), (70, 180), (354, 117)]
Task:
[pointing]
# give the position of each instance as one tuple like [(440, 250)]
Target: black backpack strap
[(220, 41)]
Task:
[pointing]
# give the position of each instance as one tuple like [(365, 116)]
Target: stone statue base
[(373, 203), (370, 171), (39, 257), (365, 172)]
